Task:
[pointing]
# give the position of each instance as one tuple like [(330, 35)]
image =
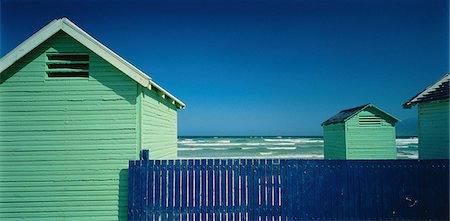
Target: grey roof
[(436, 91), (344, 115)]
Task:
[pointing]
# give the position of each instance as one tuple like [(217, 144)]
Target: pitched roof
[(434, 92), (88, 41), (344, 115)]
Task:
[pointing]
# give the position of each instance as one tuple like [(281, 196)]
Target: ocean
[(271, 147)]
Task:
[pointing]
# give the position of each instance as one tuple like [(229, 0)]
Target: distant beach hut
[(433, 117), (72, 113), (364, 132)]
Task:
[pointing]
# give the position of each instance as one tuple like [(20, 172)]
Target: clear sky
[(262, 67)]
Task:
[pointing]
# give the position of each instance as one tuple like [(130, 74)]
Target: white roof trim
[(88, 41), (425, 92)]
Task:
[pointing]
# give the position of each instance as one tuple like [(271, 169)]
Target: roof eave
[(415, 100)]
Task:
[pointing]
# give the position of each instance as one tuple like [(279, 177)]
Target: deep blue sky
[(262, 67)]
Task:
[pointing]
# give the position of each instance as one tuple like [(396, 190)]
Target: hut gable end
[(69, 28)]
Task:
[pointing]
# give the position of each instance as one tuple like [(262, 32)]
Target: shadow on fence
[(249, 189)]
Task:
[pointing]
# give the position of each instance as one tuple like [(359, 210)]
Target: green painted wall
[(65, 143), (159, 125), (355, 140), (434, 130), (334, 141), (370, 142)]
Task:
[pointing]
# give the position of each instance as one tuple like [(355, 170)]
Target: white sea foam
[(229, 144), (295, 140), (186, 141), (406, 142), (266, 153), (281, 148)]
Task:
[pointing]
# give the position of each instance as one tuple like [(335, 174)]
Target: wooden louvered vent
[(369, 121), (67, 65)]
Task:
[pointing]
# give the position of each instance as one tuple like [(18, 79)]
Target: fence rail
[(268, 189)]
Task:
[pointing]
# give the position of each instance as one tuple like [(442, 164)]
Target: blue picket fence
[(270, 189)]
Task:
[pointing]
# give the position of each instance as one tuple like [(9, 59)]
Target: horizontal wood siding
[(159, 126), (434, 130), (334, 141), (65, 142), (370, 142)]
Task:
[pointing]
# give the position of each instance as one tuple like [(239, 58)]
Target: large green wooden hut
[(433, 117), (72, 113), (364, 132)]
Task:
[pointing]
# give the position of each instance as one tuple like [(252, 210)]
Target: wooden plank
[(184, 190), (170, 189), (217, 190), (177, 186), (236, 204), (285, 204), (229, 170), (263, 184), (191, 189), (131, 203), (210, 208), (197, 189), (151, 185), (277, 191), (144, 186), (253, 192), (223, 188), (164, 190), (138, 190), (204, 193), (243, 190), (269, 185)]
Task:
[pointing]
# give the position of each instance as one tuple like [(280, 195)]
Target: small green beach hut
[(363, 132), (433, 107), (72, 113)]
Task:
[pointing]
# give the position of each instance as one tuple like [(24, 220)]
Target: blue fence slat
[(150, 193), (255, 193), (217, 189), (197, 193), (250, 188), (276, 189), (163, 190), (184, 190), (229, 169), (243, 190), (177, 187), (262, 189), (223, 188), (210, 208), (131, 202), (204, 192), (191, 189), (157, 177), (138, 189), (235, 207), (269, 208), (170, 185), (144, 186)]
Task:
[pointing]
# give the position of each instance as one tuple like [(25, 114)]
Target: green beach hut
[(433, 117), (364, 132), (72, 113)]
